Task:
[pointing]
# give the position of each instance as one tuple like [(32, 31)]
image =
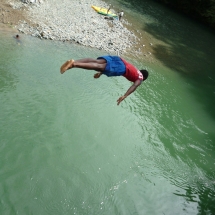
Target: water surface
[(67, 148)]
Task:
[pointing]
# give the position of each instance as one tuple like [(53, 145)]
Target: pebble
[(77, 22)]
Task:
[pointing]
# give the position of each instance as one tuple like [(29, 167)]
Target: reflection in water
[(8, 79)]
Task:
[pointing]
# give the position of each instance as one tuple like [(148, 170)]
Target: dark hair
[(145, 74)]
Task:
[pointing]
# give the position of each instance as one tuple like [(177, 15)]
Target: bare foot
[(67, 65)]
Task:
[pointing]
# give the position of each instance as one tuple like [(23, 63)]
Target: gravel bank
[(77, 22)]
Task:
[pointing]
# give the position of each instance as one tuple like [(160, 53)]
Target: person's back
[(121, 15), (108, 8)]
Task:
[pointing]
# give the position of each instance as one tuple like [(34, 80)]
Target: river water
[(67, 148)]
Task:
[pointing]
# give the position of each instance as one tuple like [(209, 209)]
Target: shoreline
[(71, 21)]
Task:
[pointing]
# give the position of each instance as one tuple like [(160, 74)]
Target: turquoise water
[(67, 148)]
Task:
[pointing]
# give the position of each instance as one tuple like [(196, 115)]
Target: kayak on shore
[(103, 11)]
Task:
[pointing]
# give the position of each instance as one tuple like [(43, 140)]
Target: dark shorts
[(114, 67)]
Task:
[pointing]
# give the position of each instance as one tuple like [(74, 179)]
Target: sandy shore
[(72, 21), (9, 17)]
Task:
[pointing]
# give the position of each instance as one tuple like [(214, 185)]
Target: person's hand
[(97, 75), (120, 99)]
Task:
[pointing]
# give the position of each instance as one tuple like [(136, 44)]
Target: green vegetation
[(202, 10)]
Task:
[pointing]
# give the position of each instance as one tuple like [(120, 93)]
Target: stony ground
[(75, 23)]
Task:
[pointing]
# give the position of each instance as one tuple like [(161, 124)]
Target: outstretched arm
[(130, 90)]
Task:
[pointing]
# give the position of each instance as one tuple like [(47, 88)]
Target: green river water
[(67, 148)]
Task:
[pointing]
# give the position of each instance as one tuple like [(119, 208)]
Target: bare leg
[(87, 63), (98, 65), (87, 60)]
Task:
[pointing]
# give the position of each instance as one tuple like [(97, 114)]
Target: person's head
[(145, 74)]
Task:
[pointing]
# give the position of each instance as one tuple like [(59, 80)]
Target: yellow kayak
[(103, 11)]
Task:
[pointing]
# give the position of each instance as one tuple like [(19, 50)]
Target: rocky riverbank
[(75, 21)]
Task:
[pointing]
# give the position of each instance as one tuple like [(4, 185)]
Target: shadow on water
[(189, 49), (185, 46), (191, 55), (203, 196)]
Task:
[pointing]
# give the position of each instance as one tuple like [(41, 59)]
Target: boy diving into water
[(110, 66)]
